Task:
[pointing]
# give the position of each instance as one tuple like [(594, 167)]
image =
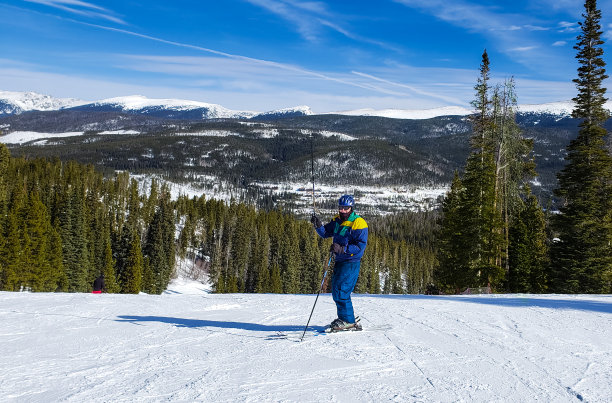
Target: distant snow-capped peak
[(18, 102), (563, 108), (136, 102), (409, 113), (303, 109)]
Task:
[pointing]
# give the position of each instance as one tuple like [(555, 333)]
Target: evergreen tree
[(514, 164), (474, 239), (5, 157), (582, 257), (159, 249), (262, 261), (39, 276), (289, 257), (14, 254), (56, 261), (4, 171), (453, 257), (74, 242), (483, 218), (276, 284), (311, 267), (528, 249), (108, 265), (241, 238), (131, 283)]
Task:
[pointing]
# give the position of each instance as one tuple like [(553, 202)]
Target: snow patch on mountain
[(26, 137), (327, 133)]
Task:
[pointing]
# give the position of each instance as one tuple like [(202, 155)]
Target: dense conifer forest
[(63, 224)]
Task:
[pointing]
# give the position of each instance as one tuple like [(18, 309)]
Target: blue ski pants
[(343, 283)]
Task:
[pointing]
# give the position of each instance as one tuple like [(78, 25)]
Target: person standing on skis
[(350, 237), (98, 285)]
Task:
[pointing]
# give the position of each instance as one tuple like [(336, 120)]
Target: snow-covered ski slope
[(245, 348)]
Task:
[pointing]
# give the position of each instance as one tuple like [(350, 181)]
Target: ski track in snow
[(239, 347)]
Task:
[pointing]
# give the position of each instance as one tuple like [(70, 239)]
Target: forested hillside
[(63, 224), (243, 154)]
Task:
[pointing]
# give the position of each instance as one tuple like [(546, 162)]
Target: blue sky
[(269, 54)]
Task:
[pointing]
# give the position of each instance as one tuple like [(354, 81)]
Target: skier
[(98, 285), (350, 236)]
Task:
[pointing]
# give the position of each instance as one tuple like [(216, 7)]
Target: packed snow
[(187, 345)]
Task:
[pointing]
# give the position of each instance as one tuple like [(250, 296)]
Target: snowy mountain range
[(19, 102), (12, 103)]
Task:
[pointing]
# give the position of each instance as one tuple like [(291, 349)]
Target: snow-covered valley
[(187, 345)]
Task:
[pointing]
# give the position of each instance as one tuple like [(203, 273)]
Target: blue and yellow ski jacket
[(352, 234)]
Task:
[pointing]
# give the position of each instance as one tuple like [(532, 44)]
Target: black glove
[(315, 221), (337, 248)]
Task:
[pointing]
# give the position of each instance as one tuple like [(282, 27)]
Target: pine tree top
[(591, 73)]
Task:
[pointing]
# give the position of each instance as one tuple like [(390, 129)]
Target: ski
[(316, 332)]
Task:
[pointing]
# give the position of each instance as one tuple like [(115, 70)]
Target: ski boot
[(338, 325)]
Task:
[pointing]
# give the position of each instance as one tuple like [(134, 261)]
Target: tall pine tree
[(582, 256)]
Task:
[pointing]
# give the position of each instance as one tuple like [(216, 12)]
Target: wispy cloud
[(310, 19), (235, 94), (536, 28), (565, 26), (298, 15), (81, 8), (467, 15), (523, 48), (412, 88), (560, 43), (250, 60)]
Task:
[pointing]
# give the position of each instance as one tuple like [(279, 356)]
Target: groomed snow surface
[(187, 345)]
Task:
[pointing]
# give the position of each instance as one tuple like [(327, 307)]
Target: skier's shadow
[(199, 323)]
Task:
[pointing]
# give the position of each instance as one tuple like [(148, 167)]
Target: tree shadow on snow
[(199, 323), (520, 301)]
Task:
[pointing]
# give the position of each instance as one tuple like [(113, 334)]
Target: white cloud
[(536, 28), (311, 18), (565, 26), (523, 48), (305, 26), (81, 8), (559, 43), (412, 88)]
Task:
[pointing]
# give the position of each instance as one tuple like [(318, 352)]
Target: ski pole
[(331, 254)]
